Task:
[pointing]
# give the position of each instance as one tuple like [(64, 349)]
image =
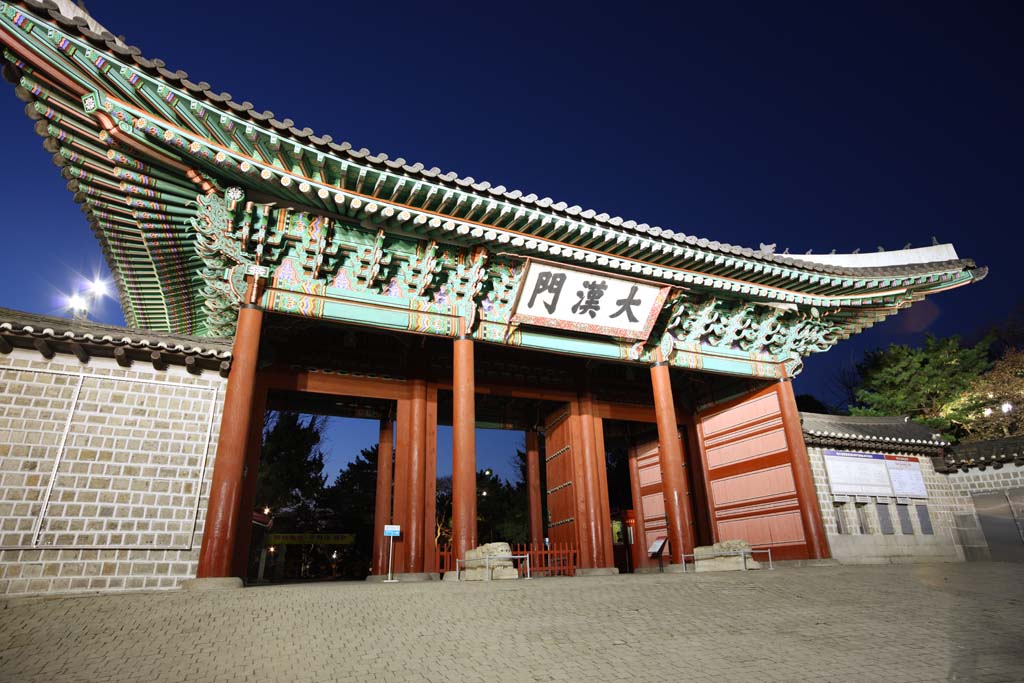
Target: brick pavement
[(895, 623)]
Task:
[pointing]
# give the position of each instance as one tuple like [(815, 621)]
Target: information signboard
[(863, 474), (392, 530), (874, 474), (311, 539), (587, 301), (906, 477), (657, 546)]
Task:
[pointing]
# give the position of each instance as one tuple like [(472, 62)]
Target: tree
[(929, 384), (996, 400), (443, 511), (351, 499), (291, 463)]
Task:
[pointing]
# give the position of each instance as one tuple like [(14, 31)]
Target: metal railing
[(555, 559), (487, 564), (733, 553)]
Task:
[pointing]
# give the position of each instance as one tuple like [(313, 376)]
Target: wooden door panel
[(561, 494), (748, 466)]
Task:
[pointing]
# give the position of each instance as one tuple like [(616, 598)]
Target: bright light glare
[(77, 302), (1006, 407), (98, 288), (987, 412)]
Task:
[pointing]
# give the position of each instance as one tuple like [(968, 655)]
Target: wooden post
[(221, 527), (400, 474), (248, 502), (604, 516), (701, 507), (533, 489), (807, 497), (382, 501), (590, 488), (430, 485), (413, 530), (677, 503), (463, 450)]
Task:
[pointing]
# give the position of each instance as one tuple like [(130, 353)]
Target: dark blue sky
[(809, 126)]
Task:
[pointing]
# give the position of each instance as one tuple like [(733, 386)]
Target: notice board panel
[(905, 476), (857, 474)]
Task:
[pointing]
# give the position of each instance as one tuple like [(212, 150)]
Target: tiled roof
[(982, 454), (286, 128), (898, 433), (20, 329)]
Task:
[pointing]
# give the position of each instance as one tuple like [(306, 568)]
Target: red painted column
[(677, 503), (400, 475), (604, 516), (807, 497), (592, 554), (413, 530), (430, 485), (247, 503), (382, 501), (222, 518), (701, 507), (463, 449), (533, 489)]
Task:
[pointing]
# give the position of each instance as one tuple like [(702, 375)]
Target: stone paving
[(896, 623)]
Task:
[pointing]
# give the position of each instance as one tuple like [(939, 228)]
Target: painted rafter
[(141, 209), (636, 246)]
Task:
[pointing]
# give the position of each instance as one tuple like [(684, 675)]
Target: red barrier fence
[(558, 559)]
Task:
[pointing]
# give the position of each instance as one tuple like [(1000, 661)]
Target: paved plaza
[(896, 623)]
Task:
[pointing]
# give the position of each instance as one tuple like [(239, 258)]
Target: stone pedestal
[(484, 559), (724, 557)]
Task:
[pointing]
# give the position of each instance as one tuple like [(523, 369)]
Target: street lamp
[(80, 302), (488, 472)]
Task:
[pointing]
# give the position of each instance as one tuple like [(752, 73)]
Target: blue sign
[(392, 530)]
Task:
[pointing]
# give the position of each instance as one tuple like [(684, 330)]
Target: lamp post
[(80, 302)]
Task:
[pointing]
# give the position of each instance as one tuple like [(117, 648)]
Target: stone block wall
[(944, 505), (104, 472), (977, 480)]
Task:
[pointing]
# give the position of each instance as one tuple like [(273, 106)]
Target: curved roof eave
[(844, 265)]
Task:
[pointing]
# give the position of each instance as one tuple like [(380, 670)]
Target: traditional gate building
[(312, 273)]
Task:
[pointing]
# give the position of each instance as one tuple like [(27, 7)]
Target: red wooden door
[(561, 496), (649, 499), (747, 461)]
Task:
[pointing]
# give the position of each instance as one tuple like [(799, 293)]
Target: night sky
[(807, 126)]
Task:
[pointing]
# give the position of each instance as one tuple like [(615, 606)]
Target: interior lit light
[(334, 555), (266, 510), (483, 493), (271, 549)]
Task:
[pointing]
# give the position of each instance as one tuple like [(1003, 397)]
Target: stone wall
[(104, 472), (977, 480), (945, 508)]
